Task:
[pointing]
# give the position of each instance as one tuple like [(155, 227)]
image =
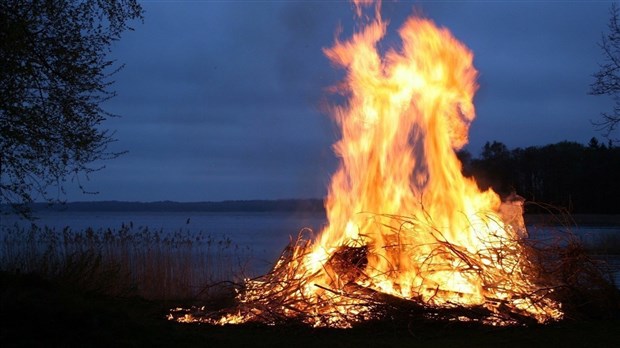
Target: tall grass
[(127, 261)]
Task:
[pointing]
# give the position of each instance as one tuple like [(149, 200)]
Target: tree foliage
[(580, 178), (54, 75), (607, 79)]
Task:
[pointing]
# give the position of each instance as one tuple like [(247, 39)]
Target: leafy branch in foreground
[(54, 75), (607, 79)]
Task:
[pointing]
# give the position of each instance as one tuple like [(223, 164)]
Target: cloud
[(222, 100)]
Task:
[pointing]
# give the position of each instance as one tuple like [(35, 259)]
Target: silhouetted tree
[(529, 175), (594, 143), (607, 79), (465, 157), (495, 168), (582, 179), (54, 74)]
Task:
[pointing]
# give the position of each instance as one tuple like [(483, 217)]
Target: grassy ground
[(39, 312)]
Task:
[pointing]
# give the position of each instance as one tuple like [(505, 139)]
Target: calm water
[(265, 234)]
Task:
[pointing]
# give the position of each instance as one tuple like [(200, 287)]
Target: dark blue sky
[(223, 100)]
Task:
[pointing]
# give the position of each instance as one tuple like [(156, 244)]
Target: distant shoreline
[(311, 205), (590, 220), (284, 205)]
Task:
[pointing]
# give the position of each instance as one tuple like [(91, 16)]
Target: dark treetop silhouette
[(579, 178), (54, 74), (607, 79)]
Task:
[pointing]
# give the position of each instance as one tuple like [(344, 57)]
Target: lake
[(264, 233)]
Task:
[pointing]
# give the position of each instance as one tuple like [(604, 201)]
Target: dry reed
[(127, 261)]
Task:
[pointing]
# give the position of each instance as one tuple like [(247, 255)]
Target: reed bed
[(127, 261), (560, 266)]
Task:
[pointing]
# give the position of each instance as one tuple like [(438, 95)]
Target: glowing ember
[(405, 227)]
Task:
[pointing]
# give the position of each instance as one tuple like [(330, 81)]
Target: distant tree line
[(279, 205), (569, 175), (579, 178)]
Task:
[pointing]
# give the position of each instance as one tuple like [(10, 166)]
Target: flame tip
[(404, 223)]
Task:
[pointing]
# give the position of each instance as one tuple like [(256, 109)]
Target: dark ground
[(39, 312)]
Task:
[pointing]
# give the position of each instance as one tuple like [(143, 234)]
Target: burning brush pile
[(408, 235)]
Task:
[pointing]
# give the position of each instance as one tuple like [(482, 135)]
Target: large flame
[(407, 114), (403, 221)]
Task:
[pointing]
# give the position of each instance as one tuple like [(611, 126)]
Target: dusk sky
[(223, 100)]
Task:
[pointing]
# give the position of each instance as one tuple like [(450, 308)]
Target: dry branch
[(562, 271)]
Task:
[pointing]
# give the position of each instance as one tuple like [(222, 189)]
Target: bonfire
[(407, 232)]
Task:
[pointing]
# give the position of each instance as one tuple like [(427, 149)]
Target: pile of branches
[(564, 272)]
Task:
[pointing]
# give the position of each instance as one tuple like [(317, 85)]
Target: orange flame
[(406, 116), (403, 221)]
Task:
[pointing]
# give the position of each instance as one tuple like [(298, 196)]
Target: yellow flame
[(426, 232), (408, 112)]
